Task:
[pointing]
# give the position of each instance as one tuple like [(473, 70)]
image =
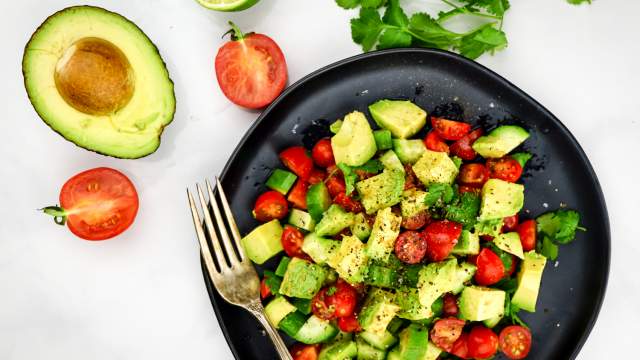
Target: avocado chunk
[(378, 310), (339, 350), (468, 244), (263, 242), (500, 141), (500, 199), (409, 151), (320, 249), (303, 279), (277, 309), (435, 167), (391, 161), (381, 191), (464, 273), (413, 202), (436, 279), (510, 242), (385, 230), (301, 219), (96, 79), (414, 342), (529, 279), (361, 227), (316, 330), (354, 143), (402, 117), (410, 307), (333, 221), (478, 303), (351, 260)]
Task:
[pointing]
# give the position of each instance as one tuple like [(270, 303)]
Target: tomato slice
[(441, 237), (462, 148), (490, 268), (410, 247), (463, 189), (298, 194), (251, 70), (416, 221), (510, 223), (515, 342), (505, 168), (265, 292), (449, 129), (349, 324), (342, 297), (450, 305), (305, 352), (316, 176), (322, 153), (348, 203), (527, 232), (445, 332), (297, 160), (435, 142), (335, 184), (482, 342), (460, 348), (474, 175), (410, 179), (99, 203), (320, 307), (292, 240), (270, 205)]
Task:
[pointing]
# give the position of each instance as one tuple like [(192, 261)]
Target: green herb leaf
[(350, 177), (560, 225), (394, 15), (505, 257), (394, 38), (486, 38), (509, 285), (578, 2), (374, 4), (456, 160), (372, 166), (430, 33), (348, 4), (548, 248), (366, 29), (522, 158), (439, 195), (272, 281), (331, 290), (465, 210), (489, 227), (494, 7)]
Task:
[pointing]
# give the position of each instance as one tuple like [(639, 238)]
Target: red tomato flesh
[(482, 342), (265, 292), (316, 176), (460, 348), (349, 324), (416, 221), (298, 194), (320, 307), (305, 352), (441, 237), (449, 129), (510, 223), (450, 305), (474, 175), (270, 205), (411, 247), (506, 168), (297, 160), (490, 268), (322, 153), (434, 142), (342, 298), (292, 240), (335, 184), (445, 332), (527, 231), (515, 342), (462, 148), (348, 203)]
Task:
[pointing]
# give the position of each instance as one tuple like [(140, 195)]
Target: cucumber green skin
[(368, 352), (414, 341), (380, 276), (281, 181), (339, 351), (292, 323), (318, 200), (315, 331), (383, 139), (244, 6), (500, 141), (383, 342), (301, 219), (409, 151), (282, 266)]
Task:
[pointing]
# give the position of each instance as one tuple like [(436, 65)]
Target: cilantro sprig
[(350, 173)]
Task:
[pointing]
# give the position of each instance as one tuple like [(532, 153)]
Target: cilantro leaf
[(511, 312), (456, 160), (465, 210), (372, 166), (578, 2), (489, 227), (522, 158), (439, 194), (508, 285), (428, 31), (560, 225), (350, 177), (495, 7), (366, 29), (348, 4), (486, 38), (505, 257), (331, 290), (394, 15), (373, 4), (394, 38), (547, 248)]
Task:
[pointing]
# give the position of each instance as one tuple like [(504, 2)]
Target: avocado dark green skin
[(42, 117)]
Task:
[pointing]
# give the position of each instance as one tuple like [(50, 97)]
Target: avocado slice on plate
[(95, 78)]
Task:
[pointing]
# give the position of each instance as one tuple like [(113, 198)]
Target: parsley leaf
[(465, 210), (348, 4), (485, 39), (457, 161), (366, 29), (548, 248), (560, 225), (508, 285), (372, 166), (439, 195), (352, 4), (494, 7), (522, 158), (394, 38)]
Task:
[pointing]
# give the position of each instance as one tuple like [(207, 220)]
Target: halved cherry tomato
[(305, 352), (482, 342), (463, 189), (450, 305), (527, 232), (342, 297), (505, 168), (349, 323), (490, 268), (265, 292), (474, 175), (322, 153), (462, 148), (441, 237), (410, 179), (316, 176), (435, 143), (320, 307), (459, 347), (335, 184), (410, 247), (270, 205), (514, 264), (97, 204), (292, 240), (515, 342), (298, 194), (297, 160), (348, 203), (251, 69), (445, 332), (416, 221), (449, 129), (510, 223)]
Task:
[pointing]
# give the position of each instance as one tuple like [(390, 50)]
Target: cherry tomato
[(490, 268), (514, 265), (416, 221), (305, 352), (96, 204), (463, 189), (410, 179), (349, 324), (505, 168), (297, 160), (298, 194), (343, 298), (527, 232), (482, 342), (510, 223), (449, 129), (320, 307), (348, 203), (270, 205), (462, 148), (441, 237), (474, 175), (335, 184), (459, 347), (292, 240), (515, 342), (435, 143), (450, 305), (445, 332), (265, 292), (322, 153), (411, 247), (316, 176), (251, 69)]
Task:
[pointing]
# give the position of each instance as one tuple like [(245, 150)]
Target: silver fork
[(231, 271)]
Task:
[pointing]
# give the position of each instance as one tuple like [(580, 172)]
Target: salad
[(404, 246)]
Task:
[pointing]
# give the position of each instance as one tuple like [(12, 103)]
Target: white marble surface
[(141, 296)]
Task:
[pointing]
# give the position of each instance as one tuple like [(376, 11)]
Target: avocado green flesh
[(134, 130)]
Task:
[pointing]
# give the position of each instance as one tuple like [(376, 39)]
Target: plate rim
[(478, 67)]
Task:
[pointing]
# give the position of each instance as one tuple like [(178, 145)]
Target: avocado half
[(95, 78)]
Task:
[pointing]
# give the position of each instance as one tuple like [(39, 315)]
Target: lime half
[(227, 5)]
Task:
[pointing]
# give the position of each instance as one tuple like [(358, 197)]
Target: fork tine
[(217, 249), (230, 220), (204, 247), (233, 257)]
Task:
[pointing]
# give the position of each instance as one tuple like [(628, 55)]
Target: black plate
[(572, 292)]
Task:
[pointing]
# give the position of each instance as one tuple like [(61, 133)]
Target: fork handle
[(258, 311)]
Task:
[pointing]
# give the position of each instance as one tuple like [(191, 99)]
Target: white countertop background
[(141, 296)]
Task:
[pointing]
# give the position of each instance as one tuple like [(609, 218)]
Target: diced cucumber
[(316, 330), (263, 242), (303, 305), (382, 342), (368, 352), (394, 354), (409, 151), (282, 266), (277, 309), (381, 276), (320, 249), (391, 161), (281, 181), (318, 200), (339, 350), (301, 219), (395, 325), (383, 139), (292, 323)]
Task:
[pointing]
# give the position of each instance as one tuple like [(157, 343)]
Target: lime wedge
[(227, 5)]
